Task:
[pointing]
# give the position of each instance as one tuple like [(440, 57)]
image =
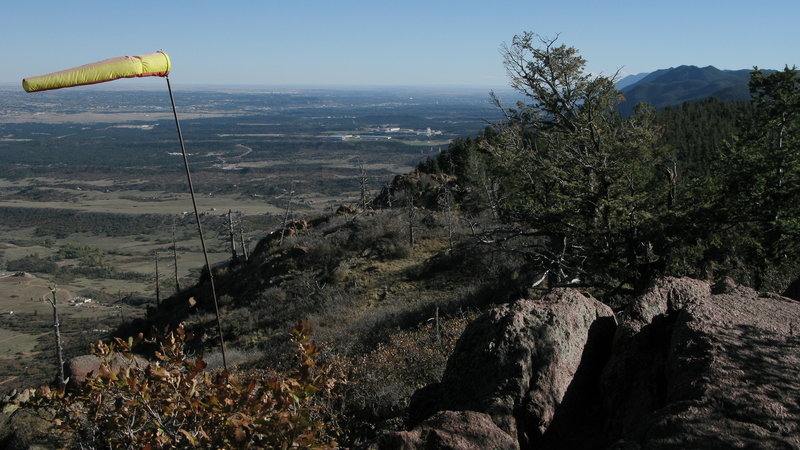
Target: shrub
[(381, 381), (174, 403), (32, 263)]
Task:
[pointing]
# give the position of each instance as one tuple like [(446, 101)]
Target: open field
[(26, 337), (93, 117), (13, 343), (138, 202)]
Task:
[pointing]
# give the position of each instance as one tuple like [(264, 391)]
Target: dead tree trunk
[(286, 216), (362, 184), (672, 175), (446, 203), (410, 215), (175, 260), (158, 281), (438, 329), (241, 238), (62, 382), (232, 236)]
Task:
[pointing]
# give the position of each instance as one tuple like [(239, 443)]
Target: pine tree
[(762, 180), (589, 183)]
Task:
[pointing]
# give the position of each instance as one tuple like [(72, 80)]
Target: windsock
[(155, 64)]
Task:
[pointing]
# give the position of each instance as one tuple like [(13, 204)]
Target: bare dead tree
[(241, 237), (231, 236), (389, 192), (57, 330), (672, 176), (489, 186), (362, 184), (175, 258), (286, 215), (158, 280), (446, 203), (438, 328), (410, 215)]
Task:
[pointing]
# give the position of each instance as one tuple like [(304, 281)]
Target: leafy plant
[(174, 402)]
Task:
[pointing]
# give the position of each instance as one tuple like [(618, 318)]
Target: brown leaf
[(192, 439), (199, 364)]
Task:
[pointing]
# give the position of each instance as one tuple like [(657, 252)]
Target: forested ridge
[(676, 85), (608, 202)]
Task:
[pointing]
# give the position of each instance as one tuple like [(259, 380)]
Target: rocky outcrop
[(459, 430), (32, 428), (634, 380), (23, 427), (527, 365), (423, 189), (77, 369), (690, 365), (728, 376), (793, 291)]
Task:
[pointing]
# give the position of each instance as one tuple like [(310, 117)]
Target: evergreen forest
[(596, 199)]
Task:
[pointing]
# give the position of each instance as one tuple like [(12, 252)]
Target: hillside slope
[(676, 85), (387, 312)]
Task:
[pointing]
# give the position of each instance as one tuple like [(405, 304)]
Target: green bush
[(32, 263)]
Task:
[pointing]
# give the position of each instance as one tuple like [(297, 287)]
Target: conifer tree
[(585, 181), (762, 181)]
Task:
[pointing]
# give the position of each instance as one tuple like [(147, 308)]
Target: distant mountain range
[(631, 79), (676, 85)]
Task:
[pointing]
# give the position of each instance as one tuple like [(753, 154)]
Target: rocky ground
[(686, 365)]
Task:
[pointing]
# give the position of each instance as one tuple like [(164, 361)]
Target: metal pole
[(199, 227)]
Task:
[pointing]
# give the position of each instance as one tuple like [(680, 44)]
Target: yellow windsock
[(155, 64)]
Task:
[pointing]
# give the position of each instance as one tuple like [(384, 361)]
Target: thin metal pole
[(199, 227)]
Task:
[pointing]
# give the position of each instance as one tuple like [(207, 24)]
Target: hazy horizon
[(381, 43)]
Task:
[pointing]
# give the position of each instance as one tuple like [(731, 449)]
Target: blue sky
[(414, 42)]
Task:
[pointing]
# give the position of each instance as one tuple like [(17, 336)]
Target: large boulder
[(634, 380), (77, 369), (32, 428), (457, 430), (724, 370), (526, 365), (23, 427), (690, 365), (793, 290)]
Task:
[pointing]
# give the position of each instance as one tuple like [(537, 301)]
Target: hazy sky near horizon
[(375, 43)]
